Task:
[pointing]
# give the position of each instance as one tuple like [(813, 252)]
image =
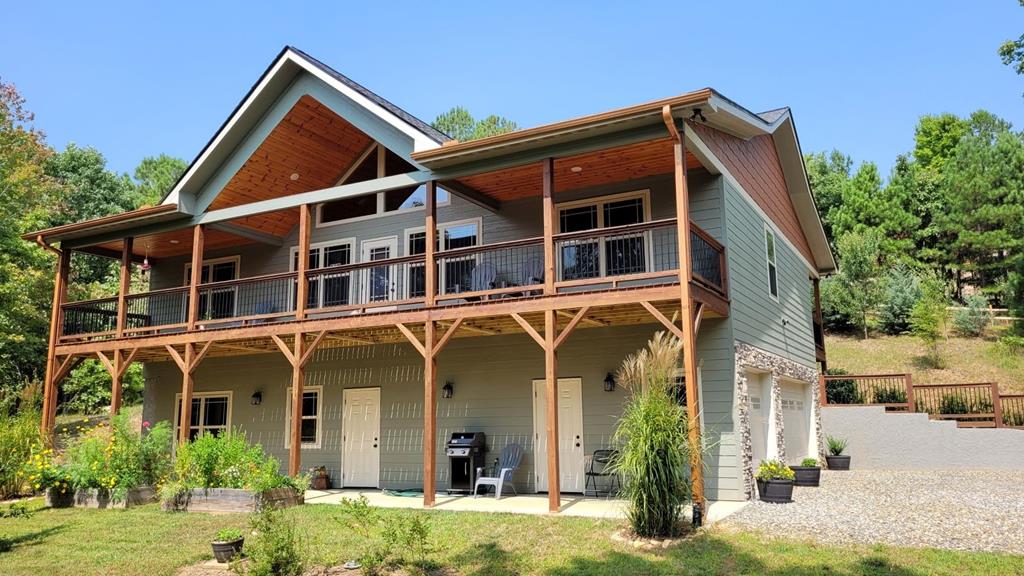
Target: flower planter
[(234, 500), (775, 491), (224, 552), (55, 499), (806, 475), (95, 498), (838, 462)]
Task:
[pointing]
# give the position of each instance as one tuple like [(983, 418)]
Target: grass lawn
[(146, 541), (967, 360)]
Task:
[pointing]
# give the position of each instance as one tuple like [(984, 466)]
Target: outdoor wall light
[(447, 390), (257, 398), (609, 383)]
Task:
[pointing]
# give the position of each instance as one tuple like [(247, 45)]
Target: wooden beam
[(472, 328), (196, 279), (124, 286), (199, 356), (60, 293), (187, 384), (302, 285), (587, 321), (676, 330), (473, 195), (529, 329), (551, 378), (298, 382), (549, 225), (116, 382), (248, 233), (446, 337), (430, 246), (127, 361), (69, 364), (107, 363), (698, 313), (571, 326), (350, 339), (429, 418), (412, 339), (311, 348), (177, 358), (284, 348)]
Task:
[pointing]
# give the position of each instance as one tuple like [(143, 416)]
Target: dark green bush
[(953, 404), (842, 391), (890, 396)]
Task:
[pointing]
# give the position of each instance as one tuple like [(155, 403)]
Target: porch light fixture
[(447, 390), (145, 263), (294, 176), (173, 241), (576, 169), (257, 398), (609, 383)]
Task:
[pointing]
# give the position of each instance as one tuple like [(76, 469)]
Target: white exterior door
[(571, 452), (360, 429), (380, 283), (796, 417), (760, 408)]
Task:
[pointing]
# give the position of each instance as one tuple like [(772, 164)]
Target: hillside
[(967, 360)]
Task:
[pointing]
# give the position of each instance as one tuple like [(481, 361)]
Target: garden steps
[(883, 440)]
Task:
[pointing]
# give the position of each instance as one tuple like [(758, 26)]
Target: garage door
[(796, 416), (759, 408)]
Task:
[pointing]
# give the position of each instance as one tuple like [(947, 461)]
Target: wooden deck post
[(551, 378), (429, 413), (822, 393), (430, 244), (115, 383), (997, 405), (124, 286), (298, 383), (196, 279), (60, 293), (549, 226), (911, 403), (301, 284), (187, 384), (687, 308)]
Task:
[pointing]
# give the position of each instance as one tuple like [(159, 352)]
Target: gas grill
[(465, 452)]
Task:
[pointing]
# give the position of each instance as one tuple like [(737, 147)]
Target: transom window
[(211, 412), (613, 255), (769, 248), (312, 408), (455, 275), (325, 290)]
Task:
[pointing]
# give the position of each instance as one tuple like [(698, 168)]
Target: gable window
[(211, 413), (773, 275), (312, 409), (455, 275), (216, 302), (326, 289), (594, 257), (376, 162)]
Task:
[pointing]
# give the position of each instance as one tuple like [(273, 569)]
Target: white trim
[(441, 276), (771, 260), (237, 259), (202, 409), (321, 246), (319, 417), (704, 151), (319, 223)]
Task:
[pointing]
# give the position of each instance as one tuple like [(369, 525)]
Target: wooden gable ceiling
[(611, 165), (311, 141)]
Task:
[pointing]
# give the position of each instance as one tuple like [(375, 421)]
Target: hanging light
[(145, 263)]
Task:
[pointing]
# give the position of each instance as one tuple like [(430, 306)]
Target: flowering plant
[(42, 472)]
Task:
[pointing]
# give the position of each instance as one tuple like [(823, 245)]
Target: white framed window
[(602, 256), (325, 290), (218, 302), (376, 162), (454, 276), (773, 273), (312, 415), (211, 412)]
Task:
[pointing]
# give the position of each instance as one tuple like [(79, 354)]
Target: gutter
[(42, 244)]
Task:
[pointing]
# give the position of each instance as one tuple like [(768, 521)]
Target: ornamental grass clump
[(654, 448)]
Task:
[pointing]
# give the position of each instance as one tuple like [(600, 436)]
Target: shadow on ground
[(8, 543)]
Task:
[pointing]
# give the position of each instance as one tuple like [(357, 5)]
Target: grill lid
[(466, 439)]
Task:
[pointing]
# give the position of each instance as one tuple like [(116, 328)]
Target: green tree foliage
[(829, 176), (1012, 52), (856, 291), (974, 318), (155, 176), (902, 289), (1014, 294), (460, 125), (928, 319)]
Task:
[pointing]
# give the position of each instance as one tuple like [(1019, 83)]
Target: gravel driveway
[(962, 510)]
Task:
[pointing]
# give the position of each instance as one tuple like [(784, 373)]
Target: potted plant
[(835, 458), (775, 482), (227, 544), (808, 473), (319, 479)]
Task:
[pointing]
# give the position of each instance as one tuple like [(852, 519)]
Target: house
[(293, 293)]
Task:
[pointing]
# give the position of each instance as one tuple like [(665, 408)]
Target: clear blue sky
[(141, 78)]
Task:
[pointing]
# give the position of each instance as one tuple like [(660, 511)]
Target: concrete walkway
[(572, 504)]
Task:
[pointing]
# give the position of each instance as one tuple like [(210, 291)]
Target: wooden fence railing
[(976, 405)]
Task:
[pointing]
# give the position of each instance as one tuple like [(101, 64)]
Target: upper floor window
[(216, 302), (611, 255), (773, 274), (456, 274), (376, 162), (326, 290)]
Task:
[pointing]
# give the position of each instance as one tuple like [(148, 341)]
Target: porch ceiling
[(179, 242), (619, 164)]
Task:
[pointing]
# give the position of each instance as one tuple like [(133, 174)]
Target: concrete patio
[(572, 504)]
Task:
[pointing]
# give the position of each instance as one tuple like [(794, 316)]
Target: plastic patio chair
[(511, 456), (533, 272), (599, 468)]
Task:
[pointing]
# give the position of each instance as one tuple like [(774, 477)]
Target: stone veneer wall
[(748, 356)]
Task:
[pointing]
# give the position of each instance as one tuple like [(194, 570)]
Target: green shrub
[(19, 432), (809, 462), (890, 396), (842, 391), (928, 319), (227, 535), (41, 471), (654, 447), (274, 548), (836, 446), (774, 470), (117, 458), (953, 404), (902, 289), (385, 540), (1012, 344), (974, 318)]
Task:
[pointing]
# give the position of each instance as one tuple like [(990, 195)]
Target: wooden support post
[(430, 246), (298, 382), (911, 403), (429, 413), (687, 305), (302, 285), (822, 396), (187, 384), (60, 292), (125, 286), (551, 378), (549, 226), (997, 405), (196, 279)]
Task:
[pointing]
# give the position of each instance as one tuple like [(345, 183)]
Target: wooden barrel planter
[(234, 500)]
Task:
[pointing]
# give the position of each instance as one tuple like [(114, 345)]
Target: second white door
[(380, 283), (360, 429), (570, 434)]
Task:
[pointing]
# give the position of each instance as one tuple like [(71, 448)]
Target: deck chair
[(533, 272), (599, 467), (511, 456), (483, 277)]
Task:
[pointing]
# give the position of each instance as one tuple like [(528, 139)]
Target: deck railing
[(974, 405), (607, 258)]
